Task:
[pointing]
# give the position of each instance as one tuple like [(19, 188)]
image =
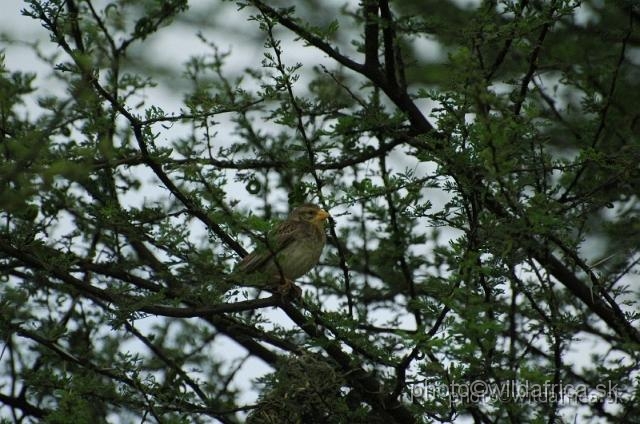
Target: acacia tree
[(484, 202)]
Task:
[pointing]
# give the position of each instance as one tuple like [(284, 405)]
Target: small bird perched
[(292, 249)]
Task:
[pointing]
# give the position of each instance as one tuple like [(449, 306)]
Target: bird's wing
[(282, 236)]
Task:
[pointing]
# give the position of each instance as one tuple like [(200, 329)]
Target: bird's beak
[(321, 215)]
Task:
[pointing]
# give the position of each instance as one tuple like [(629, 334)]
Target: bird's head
[(310, 213)]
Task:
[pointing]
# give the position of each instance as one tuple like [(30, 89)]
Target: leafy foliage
[(479, 162)]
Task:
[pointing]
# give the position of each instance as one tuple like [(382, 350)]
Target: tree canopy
[(479, 161)]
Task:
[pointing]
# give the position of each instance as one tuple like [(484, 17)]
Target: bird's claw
[(288, 290)]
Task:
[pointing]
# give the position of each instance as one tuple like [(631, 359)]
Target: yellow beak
[(321, 215)]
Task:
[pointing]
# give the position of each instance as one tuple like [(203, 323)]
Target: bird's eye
[(309, 215)]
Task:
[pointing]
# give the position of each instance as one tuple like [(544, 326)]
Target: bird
[(291, 250)]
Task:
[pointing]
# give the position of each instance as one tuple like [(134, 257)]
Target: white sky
[(173, 47)]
